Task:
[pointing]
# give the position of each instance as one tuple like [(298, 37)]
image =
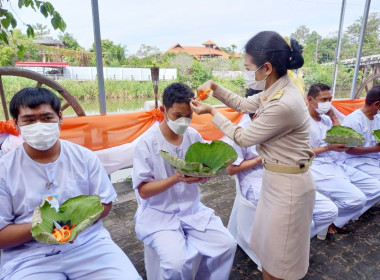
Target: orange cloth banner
[(102, 132), (348, 106)]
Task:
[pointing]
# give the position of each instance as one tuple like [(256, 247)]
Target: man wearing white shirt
[(45, 166), (171, 219), (351, 190), (364, 120)]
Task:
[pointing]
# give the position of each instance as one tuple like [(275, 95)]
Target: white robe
[(324, 211), (175, 223), (353, 192), (23, 185), (368, 163)]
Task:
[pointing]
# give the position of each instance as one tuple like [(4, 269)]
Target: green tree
[(113, 55), (217, 64), (301, 34), (311, 47), (41, 31), (371, 42), (183, 62), (233, 47), (6, 54), (70, 41), (9, 23), (17, 38), (200, 74), (230, 50), (146, 50)]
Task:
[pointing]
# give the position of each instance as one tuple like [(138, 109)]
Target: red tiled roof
[(199, 52), (209, 42)]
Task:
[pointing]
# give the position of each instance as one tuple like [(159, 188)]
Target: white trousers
[(99, 259), (371, 170), (176, 250), (324, 212), (365, 182), (346, 196)]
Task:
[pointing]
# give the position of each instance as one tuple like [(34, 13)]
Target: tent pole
[(337, 53), (360, 47), (99, 57)]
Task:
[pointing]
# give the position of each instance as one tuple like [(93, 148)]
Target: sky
[(163, 23)]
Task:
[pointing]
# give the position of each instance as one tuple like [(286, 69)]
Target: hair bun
[(295, 60), (295, 46)]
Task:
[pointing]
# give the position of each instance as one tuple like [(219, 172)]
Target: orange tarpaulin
[(102, 132), (348, 106)]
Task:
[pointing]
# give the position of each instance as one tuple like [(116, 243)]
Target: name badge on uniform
[(52, 200)]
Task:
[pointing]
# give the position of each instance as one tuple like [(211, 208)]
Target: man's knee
[(332, 212), (354, 203), (176, 268), (230, 245)]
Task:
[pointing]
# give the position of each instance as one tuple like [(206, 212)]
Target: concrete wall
[(227, 74), (113, 73)]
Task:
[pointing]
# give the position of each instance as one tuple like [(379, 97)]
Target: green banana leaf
[(203, 159), (376, 133), (83, 210), (344, 135)]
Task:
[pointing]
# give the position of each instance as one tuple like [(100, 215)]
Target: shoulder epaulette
[(278, 94)]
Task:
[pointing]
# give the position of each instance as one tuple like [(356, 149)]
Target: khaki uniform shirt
[(280, 128)]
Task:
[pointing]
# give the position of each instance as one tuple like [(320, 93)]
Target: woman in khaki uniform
[(280, 129)]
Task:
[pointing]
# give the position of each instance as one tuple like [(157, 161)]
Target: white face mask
[(251, 82), (180, 125), (323, 107), (40, 136)]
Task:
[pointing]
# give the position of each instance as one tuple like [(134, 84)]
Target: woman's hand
[(207, 85), (202, 108)]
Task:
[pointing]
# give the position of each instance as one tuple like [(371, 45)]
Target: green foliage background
[(317, 52)]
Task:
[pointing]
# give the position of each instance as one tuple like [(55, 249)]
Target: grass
[(118, 90), (88, 90)]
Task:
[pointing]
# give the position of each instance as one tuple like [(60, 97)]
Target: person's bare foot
[(332, 229), (335, 230)]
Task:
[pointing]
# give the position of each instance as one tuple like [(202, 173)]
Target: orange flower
[(8, 127), (203, 94)]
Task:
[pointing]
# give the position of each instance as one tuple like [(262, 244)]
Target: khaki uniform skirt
[(281, 229)]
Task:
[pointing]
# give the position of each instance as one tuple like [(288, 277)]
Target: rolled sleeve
[(142, 165), (6, 213), (100, 184)]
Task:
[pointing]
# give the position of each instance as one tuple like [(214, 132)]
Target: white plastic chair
[(241, 223)]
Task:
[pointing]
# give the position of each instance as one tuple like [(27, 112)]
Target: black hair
[(315, 89), (176, 92), (373, 95), (249, 93), (32, 98), (269, 46)]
